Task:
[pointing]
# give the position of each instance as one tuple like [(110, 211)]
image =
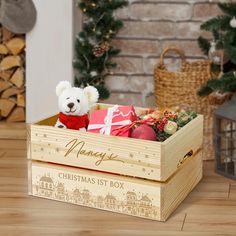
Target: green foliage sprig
[(225, 37), (93, 50)]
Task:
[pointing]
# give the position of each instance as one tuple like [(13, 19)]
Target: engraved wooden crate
[(121, 155), (116, 193)]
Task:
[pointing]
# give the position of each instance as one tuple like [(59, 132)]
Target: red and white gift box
[(108, 121)]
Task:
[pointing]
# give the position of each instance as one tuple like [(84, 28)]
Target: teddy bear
[(74, 104)]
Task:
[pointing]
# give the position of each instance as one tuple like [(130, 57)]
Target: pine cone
[(105, 46), (100, 49)]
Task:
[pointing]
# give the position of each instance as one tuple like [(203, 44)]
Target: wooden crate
[(126, 195), (127, 156)]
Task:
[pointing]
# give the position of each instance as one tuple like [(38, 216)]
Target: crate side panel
[(28, 141), (187, 139), (29, 172), (119, 155), (97, 190), (180, 185)]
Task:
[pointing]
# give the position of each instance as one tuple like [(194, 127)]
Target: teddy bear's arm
[(60, 125)]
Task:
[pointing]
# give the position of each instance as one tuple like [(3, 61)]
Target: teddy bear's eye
[(67, 98), (78, 100)]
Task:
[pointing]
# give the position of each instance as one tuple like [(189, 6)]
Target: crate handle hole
[(189, 154)]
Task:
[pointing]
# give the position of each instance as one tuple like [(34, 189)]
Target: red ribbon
[(123, 129)]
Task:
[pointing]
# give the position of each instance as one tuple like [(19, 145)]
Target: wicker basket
[(180, 89)]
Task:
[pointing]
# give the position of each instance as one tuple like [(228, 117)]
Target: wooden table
[(209, 210)]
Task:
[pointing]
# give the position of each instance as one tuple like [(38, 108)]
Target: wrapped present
[(108, 121)]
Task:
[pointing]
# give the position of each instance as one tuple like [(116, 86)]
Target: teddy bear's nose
[(70, 105)]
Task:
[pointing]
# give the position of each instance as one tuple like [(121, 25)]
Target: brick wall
[(150, 26)]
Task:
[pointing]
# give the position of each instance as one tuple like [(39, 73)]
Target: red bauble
[(144, 132)]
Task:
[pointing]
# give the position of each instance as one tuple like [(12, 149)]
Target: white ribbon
[(106, 127)]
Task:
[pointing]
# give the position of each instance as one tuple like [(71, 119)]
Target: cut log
[(13, 99), (6, 74), (6, 107), (11, 92), (4, 85), (6, 34), (18, 78), (17, 115), (16, 45), (10, 62), (21, 100), (3, 49)]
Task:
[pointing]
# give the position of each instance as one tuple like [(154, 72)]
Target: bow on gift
[(123, 129), (106, 127)]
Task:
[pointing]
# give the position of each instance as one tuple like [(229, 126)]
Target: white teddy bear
[(74, 104)]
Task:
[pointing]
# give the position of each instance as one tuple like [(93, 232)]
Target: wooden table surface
[(209, 210)]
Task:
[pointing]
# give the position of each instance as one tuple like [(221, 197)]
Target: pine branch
[(227, 83), (92, 61), (216, 35), (216, 24), (231, 52), (204, 91), (225, 37), (228, 8), (103, 91), (204, 44)]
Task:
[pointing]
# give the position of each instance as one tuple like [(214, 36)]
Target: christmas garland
[(93, 44)]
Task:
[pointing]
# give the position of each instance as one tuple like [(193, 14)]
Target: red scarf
[(74, 122)]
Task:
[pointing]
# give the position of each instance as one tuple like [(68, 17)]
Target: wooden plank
[(46, 219), (112, 190), (219, 223), (51, 220), (188, 139), (125, 229), (193, 206), (12, 144), (2, 153), (12, 131), (122, 155), (132, 196), (211, 176), (16, 153), (132, 157), (211, 190), (232, 192), (177, 188)]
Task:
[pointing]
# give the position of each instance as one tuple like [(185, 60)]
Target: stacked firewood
[(12, 79)]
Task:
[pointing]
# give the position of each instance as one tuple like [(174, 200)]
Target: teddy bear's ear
[(92, 94), (63, 85)]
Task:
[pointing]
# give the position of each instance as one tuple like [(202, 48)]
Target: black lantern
[(225, 139)]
